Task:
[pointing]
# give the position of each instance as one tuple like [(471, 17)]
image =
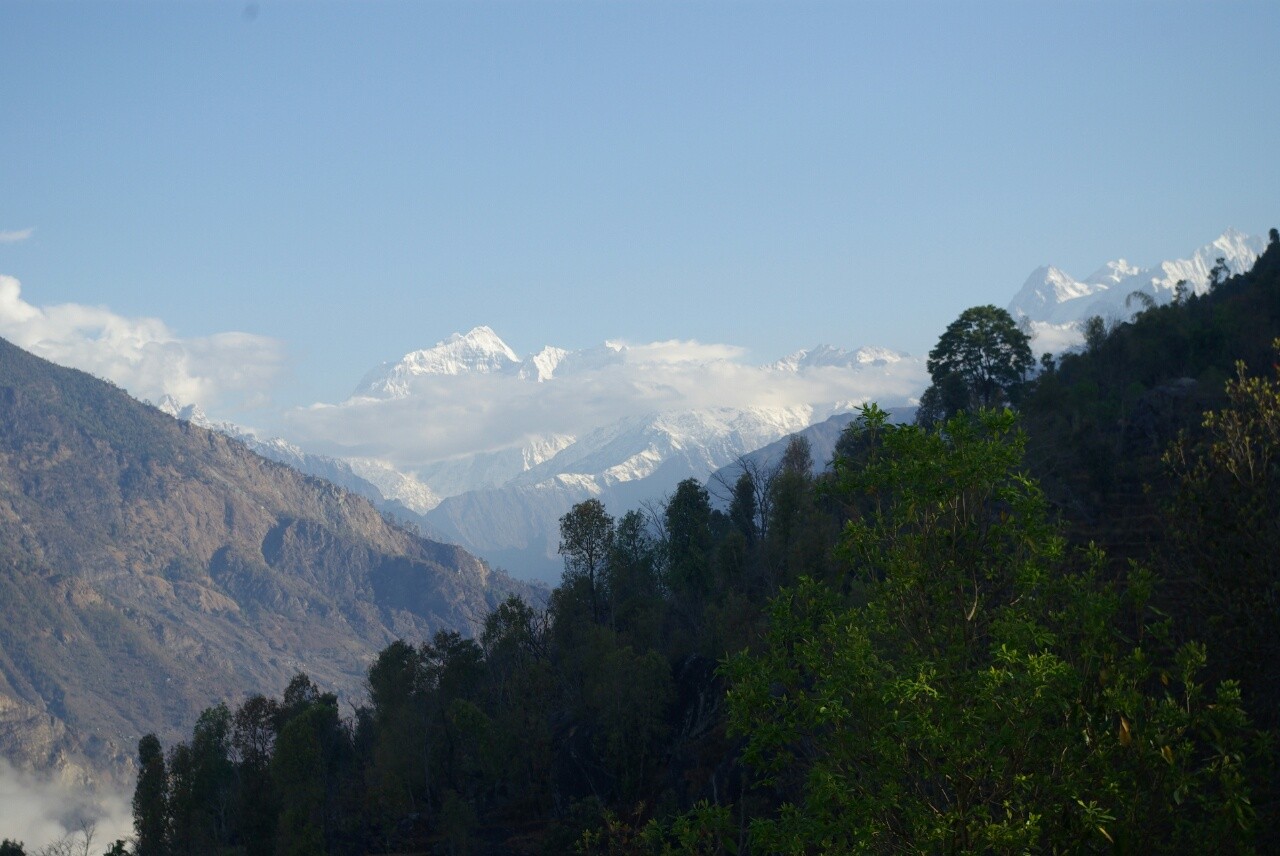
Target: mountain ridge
[(150, 567)]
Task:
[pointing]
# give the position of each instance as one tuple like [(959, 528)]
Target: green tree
[(312, 752), (978, 697), (586, 537), (635, 589), (979, 362), (1095, 333), (518, 692), (689, 542), (397, 777), (1225, 524), (792, 541), (253, 737), (301, 770), (743, 507), (687, 525), (200, 786), (626, 694), (151, 799), (211, 748)]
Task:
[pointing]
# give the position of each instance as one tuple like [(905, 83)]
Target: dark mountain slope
[(149, 568)]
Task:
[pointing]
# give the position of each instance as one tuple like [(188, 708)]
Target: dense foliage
[(976, 635), (980, 362)]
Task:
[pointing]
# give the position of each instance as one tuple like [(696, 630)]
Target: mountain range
[(1055, 304), (503, 498), (505, 503)]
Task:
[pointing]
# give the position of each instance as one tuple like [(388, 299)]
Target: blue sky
[(355, 181)]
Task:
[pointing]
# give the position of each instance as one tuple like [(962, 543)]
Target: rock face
[(150, 568)]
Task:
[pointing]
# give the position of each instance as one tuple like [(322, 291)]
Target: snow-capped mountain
[(491, 469), (623, 465), (632, 432), (1054, 304), (488, 449), (827, 355), (480, 351)]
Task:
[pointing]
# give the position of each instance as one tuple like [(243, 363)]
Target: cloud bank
[(447, 416), (142, 355), (439, 417)]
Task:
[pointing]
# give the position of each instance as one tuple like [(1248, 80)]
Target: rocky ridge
[(150, 567)]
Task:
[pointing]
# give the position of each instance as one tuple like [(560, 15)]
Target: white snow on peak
[(1054, 305), (542, 365), (1112, 273), (490, 469), (194, 414), (1049, 287), (395, 485), (1237, 250), (828, 355), (636, 447), (182, 412), (480, 351), (872, 355)]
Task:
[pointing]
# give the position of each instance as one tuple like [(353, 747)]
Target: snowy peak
[(542, 365), (480, 351), (1054, 304), (1112, 273), (827, 355), (1049, 287), (636, 447), (182, 412), (1237, 250), (194, 414)]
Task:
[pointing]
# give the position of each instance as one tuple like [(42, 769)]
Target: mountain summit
[(480, 351)]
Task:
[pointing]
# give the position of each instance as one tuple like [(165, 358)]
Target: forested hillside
[(1049, 627)]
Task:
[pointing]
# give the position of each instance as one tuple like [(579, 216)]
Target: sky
[(256, 203)]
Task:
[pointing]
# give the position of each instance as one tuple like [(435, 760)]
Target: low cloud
[(15, 236), (680, 351), (142, 355), (38, 812), (452, 416), (1047, 338)]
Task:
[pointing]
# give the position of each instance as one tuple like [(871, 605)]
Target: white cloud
[(677, 351), (1048, 338), (39, 811), (143, 355), (15, 236), (452, 416)]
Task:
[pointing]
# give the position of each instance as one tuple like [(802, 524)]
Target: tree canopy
[(978, 362)]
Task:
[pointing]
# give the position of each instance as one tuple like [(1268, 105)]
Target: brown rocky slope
[(150, 568)]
